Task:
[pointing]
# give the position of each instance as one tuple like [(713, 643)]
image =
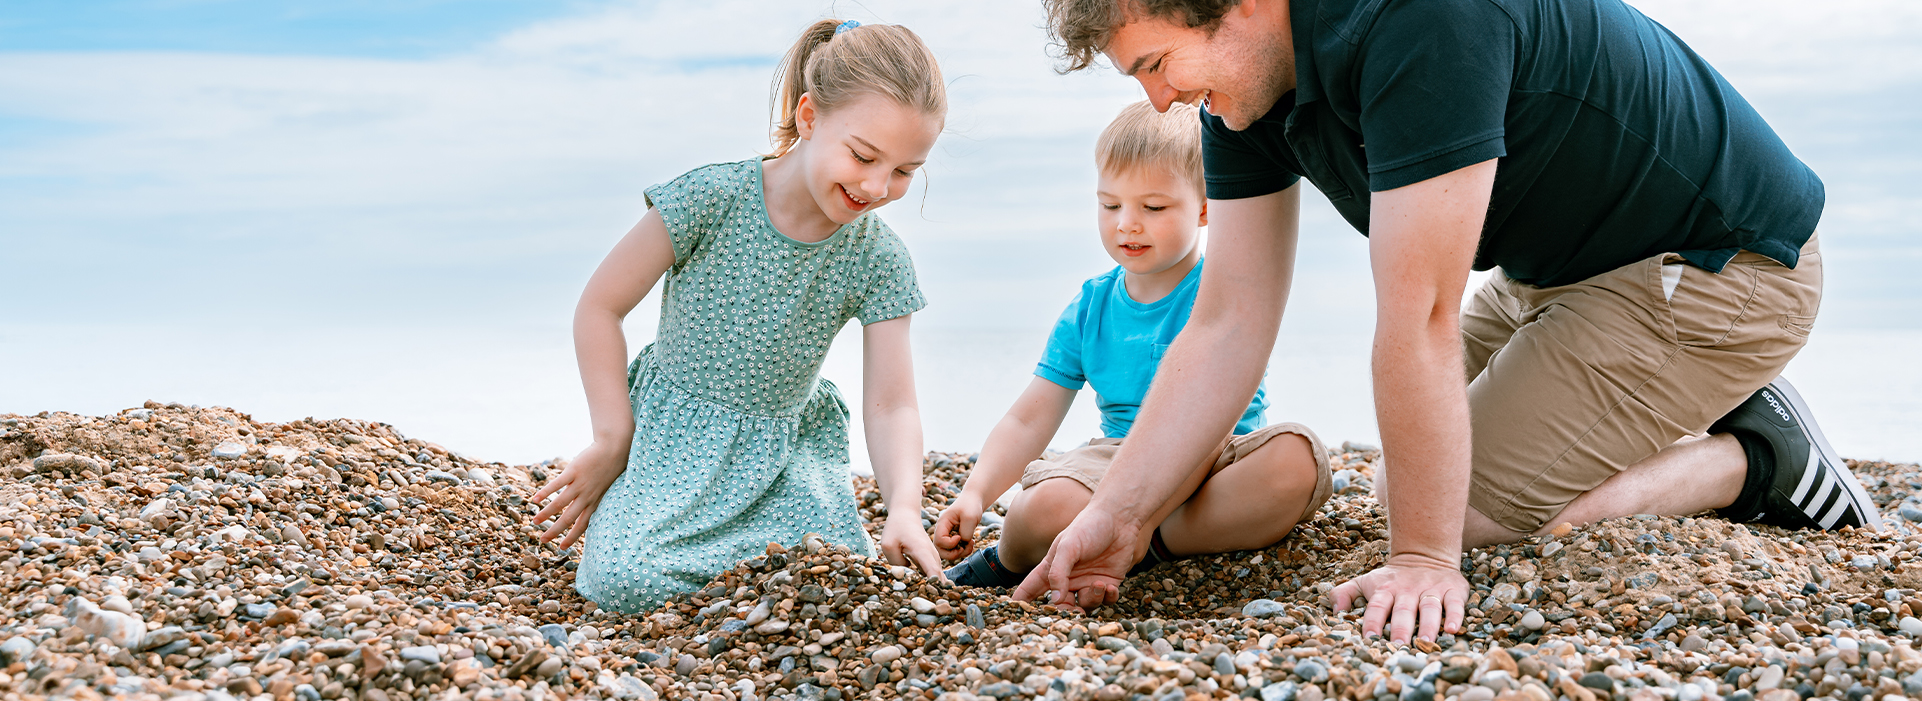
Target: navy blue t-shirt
[(1617, 142)]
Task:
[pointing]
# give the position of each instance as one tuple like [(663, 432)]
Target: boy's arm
[(893, 419), (1016, 440), (1200, 390)]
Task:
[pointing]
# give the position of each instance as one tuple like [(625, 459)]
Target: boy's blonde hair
[(1140, 137), (836, 67)]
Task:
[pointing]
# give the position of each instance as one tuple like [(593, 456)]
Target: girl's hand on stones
[(903, 542), (579, 489), (954, 531)]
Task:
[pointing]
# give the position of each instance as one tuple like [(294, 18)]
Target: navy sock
[(1761, 477), (984, 569)]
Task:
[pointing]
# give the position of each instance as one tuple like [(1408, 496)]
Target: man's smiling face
[(1238, 68)]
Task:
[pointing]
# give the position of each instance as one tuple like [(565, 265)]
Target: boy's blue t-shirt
[(1113, 343)]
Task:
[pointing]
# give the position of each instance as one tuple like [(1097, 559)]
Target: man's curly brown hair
[(1080, 29)]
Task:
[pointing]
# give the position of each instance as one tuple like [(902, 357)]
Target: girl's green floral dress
[(737, 439)]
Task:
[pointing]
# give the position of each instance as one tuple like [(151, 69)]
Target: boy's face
[(1149, 217)]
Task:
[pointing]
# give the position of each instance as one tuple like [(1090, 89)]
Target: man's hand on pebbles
[(1411, 595), (580, 488), (1086, 563)]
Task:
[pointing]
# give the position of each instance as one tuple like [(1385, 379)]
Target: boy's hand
[(954, 531), (904, 543)]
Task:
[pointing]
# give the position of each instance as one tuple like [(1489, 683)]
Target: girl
[(722, 436)]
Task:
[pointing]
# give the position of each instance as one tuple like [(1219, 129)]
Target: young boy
[(1261, 481)]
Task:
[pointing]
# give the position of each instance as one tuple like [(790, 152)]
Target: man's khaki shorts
[(1570, 385), (1087, 464)]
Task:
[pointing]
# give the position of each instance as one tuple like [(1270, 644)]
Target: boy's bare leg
[(1038, 514), (1042, 511), (1253, 503)]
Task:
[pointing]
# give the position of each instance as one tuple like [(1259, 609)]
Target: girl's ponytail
[(835, 67)]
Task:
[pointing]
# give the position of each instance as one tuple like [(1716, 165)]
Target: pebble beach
[(178, 552)]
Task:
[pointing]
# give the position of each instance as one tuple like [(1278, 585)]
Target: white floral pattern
[(738, 441)]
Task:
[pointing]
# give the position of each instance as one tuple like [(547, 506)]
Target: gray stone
[(1598, 681), (1311, 671), (307, 692), (1263, 608), (424, 653), (1910, 513), (441, 476), (257, 611), (1111, 643), (1661, 626), (554, 634), (685, 665), (1278, 691), (15, 649), (1000, 690), (1224, 665), (975, 618), (229, 450)]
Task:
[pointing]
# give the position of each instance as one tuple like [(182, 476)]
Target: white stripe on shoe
[(1810, 474), (1830, 461)]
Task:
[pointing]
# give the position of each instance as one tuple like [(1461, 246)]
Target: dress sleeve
[(1061, 360), (893, 291), (693, 204), (1433, 82)]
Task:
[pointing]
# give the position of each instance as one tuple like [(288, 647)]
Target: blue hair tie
[(844, 26)]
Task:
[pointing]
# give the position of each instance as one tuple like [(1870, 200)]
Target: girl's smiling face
[(1149, 218), (862, 155)]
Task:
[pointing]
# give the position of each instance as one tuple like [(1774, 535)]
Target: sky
[(387, 209)]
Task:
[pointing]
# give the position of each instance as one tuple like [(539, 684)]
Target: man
[(1658, 268)]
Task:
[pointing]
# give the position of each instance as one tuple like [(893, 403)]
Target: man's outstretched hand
[(1086, 563), (1412, 595)]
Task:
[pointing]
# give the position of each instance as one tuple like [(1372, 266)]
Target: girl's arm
[(893, 420), (624, 277), (1016, 441)]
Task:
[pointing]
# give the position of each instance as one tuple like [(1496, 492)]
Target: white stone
[(229, 450), (1911, 626), (122, 629)]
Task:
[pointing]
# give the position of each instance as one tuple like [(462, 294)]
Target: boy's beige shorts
[(1088, 463), (1570, 385)]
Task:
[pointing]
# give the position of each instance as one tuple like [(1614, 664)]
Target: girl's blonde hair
[(835, 68), (1140, 137)]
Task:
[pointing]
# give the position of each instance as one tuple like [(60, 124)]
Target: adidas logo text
[(1770, 396)]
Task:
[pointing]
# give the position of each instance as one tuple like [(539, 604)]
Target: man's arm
[(1200, 389), (1422, 241)]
